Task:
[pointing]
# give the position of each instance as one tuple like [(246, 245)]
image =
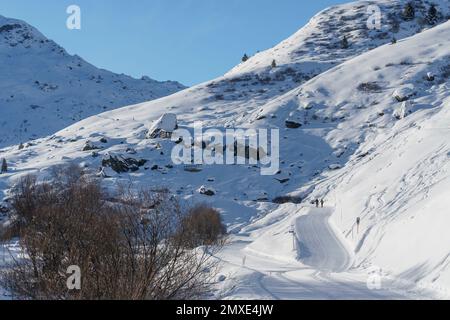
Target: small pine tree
[(432, 14), (344, 43), (274, 64), (409, 13), (245, 58), (4, 166)]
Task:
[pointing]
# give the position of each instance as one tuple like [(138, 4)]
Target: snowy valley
[(364, 124)]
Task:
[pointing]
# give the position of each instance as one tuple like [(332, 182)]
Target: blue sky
[(190, 41)]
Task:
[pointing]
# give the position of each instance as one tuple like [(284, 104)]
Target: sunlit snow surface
[(394, 173)]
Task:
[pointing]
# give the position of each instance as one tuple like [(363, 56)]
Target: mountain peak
[(41, 83)]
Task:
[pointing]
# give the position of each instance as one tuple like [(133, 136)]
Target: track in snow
[(318, 245), (323, 273)]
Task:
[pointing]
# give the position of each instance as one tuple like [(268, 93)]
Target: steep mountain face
[(44, 89), (365, 127)]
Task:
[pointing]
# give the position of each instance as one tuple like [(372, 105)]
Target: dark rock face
[(293, 124), (287, 199), (123, 165), (207, 191), (90, 147)]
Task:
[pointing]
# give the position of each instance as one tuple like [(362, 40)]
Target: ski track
[(324, 251), (324, 272)]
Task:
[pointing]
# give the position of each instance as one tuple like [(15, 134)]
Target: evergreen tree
[(4, 166), (274, 64), (432, 14), (409, 13), (245, 58), (344, 43)]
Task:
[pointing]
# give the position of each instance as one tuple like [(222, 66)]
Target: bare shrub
[(369, 87), (203, 226), (129, 246)]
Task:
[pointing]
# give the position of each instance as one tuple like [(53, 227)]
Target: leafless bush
[(128, 246), (203, 226), (369, 87)]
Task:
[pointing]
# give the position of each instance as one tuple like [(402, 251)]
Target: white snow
[(393, 173)]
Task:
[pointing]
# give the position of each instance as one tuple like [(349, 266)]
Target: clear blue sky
[(185, 40)]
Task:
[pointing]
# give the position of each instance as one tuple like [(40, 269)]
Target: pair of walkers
[(319, 203)]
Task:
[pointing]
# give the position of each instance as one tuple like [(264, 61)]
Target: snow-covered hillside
[(44, 89), (372, 140), (318, 46)]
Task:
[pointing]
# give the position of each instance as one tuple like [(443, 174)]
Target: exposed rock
[(283, 181), (403, 94), (89, 146), (335, 166), (192, 168), (403, 111), (257, 195), (221, 278), (287, 199), (206, 191), (122, 165), (293, 124)]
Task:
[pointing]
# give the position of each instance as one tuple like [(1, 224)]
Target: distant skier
[(322, 202), (317, 203)]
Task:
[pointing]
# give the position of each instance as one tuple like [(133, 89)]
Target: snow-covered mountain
[(371, 138), (44, 89)]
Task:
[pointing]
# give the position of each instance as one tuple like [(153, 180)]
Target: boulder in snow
[(121, 165), (89, 146), (309, 105), (164, 127), (291, 124), (335, 166), (221, 278), (207, 191), (403, 111), (403, 93), (257, 195)]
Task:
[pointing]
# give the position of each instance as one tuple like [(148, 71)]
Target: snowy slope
[(397, 177), (394, 172), (317, 46), (44, 89)]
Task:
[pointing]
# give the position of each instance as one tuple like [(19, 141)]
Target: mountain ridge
[(41, 83)]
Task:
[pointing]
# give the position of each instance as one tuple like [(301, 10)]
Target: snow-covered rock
[(335, 166), (207, 191), (163, 127), (403, 94), (404, 110)]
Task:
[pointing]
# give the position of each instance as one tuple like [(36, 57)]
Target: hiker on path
[(322, 202), (358, 222), (317, 203)]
